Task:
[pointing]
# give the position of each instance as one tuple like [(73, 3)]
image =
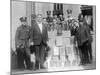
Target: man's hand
[(17, 46), (32, 43)]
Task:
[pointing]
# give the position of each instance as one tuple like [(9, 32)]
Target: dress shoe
[(41, 67)]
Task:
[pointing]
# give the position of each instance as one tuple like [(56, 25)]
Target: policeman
[(22, 44), (68, 20), (83, 37), (49, 18)]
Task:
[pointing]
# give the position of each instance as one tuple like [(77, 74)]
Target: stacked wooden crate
[(61, 51), (69, 49)]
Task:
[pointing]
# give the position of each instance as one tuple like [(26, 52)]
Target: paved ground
[(69, 68)]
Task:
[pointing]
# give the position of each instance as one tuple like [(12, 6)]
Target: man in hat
[(90, 39), (68, 20), (39, 37), (33, 19), (22, 44), (82, 36), (49, 18)]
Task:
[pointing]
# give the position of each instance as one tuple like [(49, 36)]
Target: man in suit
[(90, 39), (39, 37), (68, 20), (22, 44), (82, 40), (49, 18)]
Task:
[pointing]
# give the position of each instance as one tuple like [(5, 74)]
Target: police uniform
[(49, 20), (68, 20), (22, 45)]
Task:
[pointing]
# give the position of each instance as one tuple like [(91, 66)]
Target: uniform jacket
[(22, 36), (37, 36), (83, 34)]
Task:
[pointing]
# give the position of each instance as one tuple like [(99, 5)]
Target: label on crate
[(51, 34), (63, 58), (56, 51), (66, 34), (59, 64), (59, 41), (53, 63), (62, 50), (67, 63), (69, 49), (51, 42), (56, 64), (66, 41)]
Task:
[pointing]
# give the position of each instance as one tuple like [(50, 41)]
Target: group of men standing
[(34, 38), (80, 29), (31, 39), (84, 41)]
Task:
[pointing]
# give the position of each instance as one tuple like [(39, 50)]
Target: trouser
[(89, 48), (23, 59), (83, 50), (88, 52), (80, 54), (40, 55)]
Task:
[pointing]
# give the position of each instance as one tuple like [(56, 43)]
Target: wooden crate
[(62, 58), (66, 41), (56, 51), (62, 51), (66, 34), (59, 41)]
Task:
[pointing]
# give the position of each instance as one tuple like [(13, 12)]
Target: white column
[(28, 12), (94, 31), (38, 8), (33, 7)]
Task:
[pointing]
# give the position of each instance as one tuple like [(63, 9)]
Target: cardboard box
[(62, 58), (69, 49), (51, 42), (62, 51), (53, 63), (66, 34), (55, 58), (67, 63), (59, 41), (56, 51), (59, 64), (72, 40), (56, 64), (66, 41), (52, 34)]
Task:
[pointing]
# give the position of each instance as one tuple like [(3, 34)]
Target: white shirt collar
[(40, 26)]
